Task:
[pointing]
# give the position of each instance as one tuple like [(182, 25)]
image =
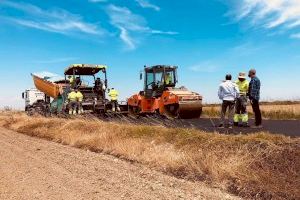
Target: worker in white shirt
[(228, 92)]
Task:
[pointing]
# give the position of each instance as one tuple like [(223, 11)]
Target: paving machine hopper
[(161, 96)]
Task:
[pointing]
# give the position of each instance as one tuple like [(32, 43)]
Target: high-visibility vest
[(72, 96), (168, 79), (79, 96), (113, 94), (71, 80), (243, 86)]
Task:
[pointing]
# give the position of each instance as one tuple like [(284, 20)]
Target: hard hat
[(242, 75)]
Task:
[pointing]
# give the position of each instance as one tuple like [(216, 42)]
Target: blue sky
[(206, 39)]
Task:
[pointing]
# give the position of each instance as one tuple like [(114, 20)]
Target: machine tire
[(134, 111), (30, 111), (171, 111)]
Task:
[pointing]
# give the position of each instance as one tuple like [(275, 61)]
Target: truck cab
[(34, 100)]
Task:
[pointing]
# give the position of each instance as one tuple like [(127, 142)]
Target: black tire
[(134, 111)]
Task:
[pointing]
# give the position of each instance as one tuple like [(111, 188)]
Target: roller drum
[(184, 110)]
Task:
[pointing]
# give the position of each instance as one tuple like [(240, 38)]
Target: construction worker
[(79, 98), (254, 96), (168, 79), (228, 92), (72, 102), (114, 94), (77, 82), (71, 80), (99, 88), (241, 102)]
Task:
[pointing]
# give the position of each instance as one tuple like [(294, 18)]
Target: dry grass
[(261, 165), (269, 111)]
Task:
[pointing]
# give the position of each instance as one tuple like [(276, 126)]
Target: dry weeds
[(261, 165), (269, 111)]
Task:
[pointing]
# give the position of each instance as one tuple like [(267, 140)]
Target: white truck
[(34, 101)]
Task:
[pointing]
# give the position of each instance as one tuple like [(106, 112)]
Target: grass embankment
[(269, 111), (261, 165)]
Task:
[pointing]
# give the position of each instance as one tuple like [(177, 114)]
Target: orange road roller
[(161, 96)]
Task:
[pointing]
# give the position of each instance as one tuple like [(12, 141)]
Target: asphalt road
[(285, 127)]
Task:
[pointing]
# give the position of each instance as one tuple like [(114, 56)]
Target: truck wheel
[(30, 111)]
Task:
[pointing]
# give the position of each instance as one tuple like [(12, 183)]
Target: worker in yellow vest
[(71, 81), (168, 79), (241, 114), (72, 102), (79, 99), (114, 94)]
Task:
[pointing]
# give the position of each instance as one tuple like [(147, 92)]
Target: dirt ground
[(31, 168)]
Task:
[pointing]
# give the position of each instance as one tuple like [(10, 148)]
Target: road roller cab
[(161, 96)]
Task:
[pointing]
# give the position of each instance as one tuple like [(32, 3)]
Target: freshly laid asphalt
[(285, 127)]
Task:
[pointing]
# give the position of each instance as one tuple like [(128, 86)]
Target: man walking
[(241, 102), (254, 96), (228, 92)]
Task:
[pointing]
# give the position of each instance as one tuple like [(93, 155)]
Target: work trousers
[(241, 110), (72, 107), (115, 105), (257, 113), (80, 108), (230, 106)]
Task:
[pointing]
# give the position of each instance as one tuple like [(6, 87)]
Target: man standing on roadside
[(228, 92), (241, 114), (254, 96), (114, 94)]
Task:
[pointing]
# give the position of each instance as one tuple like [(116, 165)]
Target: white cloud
[(270, 14), (55, 20), (147, 4), (126, 38), (131, 26), (164, 32), (122, 16)]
